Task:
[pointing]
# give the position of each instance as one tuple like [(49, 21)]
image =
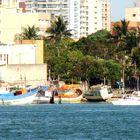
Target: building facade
[(13, 20), (106, 17), (24, 52), (83, 16), (69, 9), (23, 60), (132, 14)]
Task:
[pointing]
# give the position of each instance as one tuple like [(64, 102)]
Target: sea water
[(90, 121)]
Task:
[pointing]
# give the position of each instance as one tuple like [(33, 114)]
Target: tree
[(98, 44), (126, 38), (31, 32), (58, 30), (119, 34)]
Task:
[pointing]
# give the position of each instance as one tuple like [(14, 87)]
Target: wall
[(32, 74), (132, 14), (24, 52), (39, 49)]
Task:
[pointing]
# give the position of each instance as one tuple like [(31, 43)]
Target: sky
[(118, 8)]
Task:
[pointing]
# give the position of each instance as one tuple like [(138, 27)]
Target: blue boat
[(17, 97)]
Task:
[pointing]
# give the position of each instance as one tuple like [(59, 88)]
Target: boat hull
[(99, 94), (23, 99), (127, 102), (57, 99)]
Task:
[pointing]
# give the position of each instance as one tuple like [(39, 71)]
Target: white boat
[(74, 97), (127, 100), (98, 93), (12, 98)]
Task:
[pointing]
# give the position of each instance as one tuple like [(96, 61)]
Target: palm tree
[(120, 32), (58, 30), (30, 32)]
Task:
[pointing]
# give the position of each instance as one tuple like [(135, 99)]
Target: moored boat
[(98, 93), (17, 97), (70, 96), (127, 100)]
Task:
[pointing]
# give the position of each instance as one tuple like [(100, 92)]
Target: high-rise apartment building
[(83, 16), (105, 6), (95, 15), (90, 17), (69, 9)]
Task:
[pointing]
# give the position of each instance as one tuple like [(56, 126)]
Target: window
[(5, 57)]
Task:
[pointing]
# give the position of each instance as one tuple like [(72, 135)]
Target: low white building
[(18, 54), (20, 62)]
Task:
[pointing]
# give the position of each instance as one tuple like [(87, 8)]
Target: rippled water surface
[(70, 122)]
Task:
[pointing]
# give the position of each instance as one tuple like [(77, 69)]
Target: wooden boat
[(17, 97), (70, 97), (98, 93)]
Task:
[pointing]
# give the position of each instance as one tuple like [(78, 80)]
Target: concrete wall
[(39, 50), (31, 73), (132, 14), (22, 53)]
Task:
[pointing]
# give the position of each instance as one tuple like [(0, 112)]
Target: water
[(70, 122)]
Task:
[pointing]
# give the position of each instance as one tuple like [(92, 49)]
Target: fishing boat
[(98, 93), (17, 97), (76, 97), (69, 96)]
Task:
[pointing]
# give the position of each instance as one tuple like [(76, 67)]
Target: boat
[(132, 99), (98, 93), (18, 97), (73, 96), (127, 101)]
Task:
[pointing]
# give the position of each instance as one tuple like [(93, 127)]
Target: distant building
[(132, 14), (13, 20), (106, 17), (83, 16), (137, 3)]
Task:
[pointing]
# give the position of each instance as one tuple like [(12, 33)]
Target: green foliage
[(95, 57), (98, 45), (58, 30), (125, 38), (30, 32), (136, 56)]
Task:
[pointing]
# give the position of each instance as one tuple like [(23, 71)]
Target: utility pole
[(137, 78), (123, 84)]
